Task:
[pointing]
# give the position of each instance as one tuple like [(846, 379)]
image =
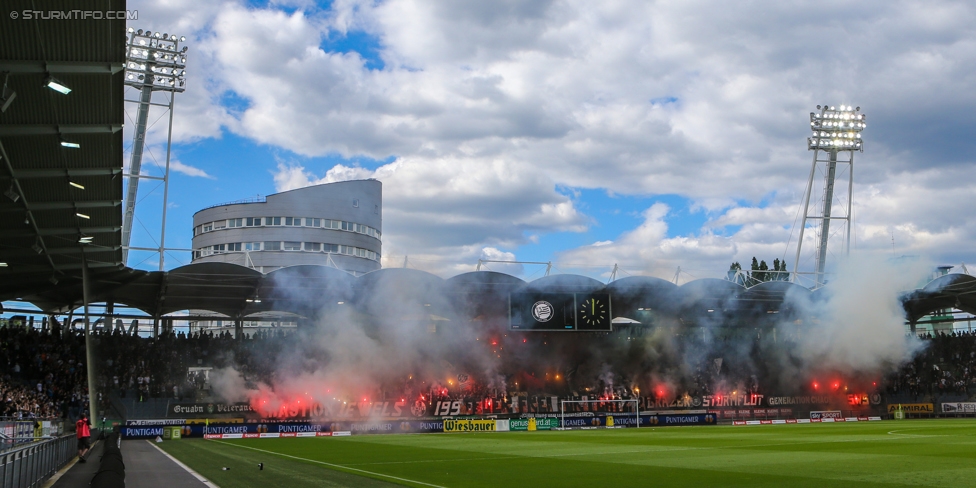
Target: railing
[(29, 466)]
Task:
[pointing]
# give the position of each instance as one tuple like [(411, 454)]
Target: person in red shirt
[(83, 432)]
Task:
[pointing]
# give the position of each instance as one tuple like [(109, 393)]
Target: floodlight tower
[(153, 62), (836, 137)]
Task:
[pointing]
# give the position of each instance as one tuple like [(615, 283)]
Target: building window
[(355, 202), (272, 221), (235, 222), (218, 248), (234, 246), (272, 245), (293, 246), (220, 224), (333, 248), (208, 227), (313, 246), (287, 220), (296, 221), (253, 221), (252, 246), (196, 254)]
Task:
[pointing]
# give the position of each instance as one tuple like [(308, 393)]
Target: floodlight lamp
[(6, 97), (72, 145), (52, 83), (165, 35), (85, 239), (84, 216), (76, 185), (3, 265), (139, 32), (183, 39), (12, 194)]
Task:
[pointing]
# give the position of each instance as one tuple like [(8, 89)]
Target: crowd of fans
[(946, 366), (44, 373)]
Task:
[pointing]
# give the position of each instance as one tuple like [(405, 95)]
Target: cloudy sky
[(647, 134)]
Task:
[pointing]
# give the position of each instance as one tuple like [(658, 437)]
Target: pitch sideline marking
[(333, 465), (196, 475)]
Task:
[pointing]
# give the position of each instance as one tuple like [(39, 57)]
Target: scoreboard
[(539, 311)]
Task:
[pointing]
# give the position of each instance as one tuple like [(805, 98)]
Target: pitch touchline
[(333, 465)]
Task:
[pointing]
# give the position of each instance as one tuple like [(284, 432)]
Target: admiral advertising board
[(912, 408)]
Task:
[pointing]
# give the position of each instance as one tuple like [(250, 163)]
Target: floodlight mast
[(153, 62), (836, 131)]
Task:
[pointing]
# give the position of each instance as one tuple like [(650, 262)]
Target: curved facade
[(341, 222)]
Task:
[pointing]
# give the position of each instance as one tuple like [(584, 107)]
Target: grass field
[(889, 453)]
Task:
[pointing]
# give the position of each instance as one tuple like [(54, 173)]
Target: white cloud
[(188, 170), (488, 108)]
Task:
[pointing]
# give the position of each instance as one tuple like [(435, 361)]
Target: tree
[(759, 272)]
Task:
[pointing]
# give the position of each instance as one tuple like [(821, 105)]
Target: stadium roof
[(55, 195)]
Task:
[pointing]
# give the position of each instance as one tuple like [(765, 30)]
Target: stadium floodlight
[(84, 216), (837, 128), (69, 144), (155, 60), (76, 185), (53, 83), (85, 239), (836, 132)]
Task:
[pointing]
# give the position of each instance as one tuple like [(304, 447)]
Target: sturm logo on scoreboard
[(542, 311)]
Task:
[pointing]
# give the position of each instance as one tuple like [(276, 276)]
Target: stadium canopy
[(61, 164)]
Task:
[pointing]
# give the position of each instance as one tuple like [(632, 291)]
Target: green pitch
[(938, 453)]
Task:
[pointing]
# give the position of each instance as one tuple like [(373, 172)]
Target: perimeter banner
[(469, 425), (911, 408), (959, 407)]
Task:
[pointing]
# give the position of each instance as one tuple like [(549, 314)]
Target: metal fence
[(29, 466)]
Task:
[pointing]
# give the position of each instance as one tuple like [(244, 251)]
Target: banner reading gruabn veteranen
[(206, 409)]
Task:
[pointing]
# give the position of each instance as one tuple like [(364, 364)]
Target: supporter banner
[(911, 407), (468, 425), (205, 409), (148, 422), (798, 400), (959, 407), (826, 414)]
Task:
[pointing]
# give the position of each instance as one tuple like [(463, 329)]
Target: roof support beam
[(60, 231), (34, 207), (56, 251), (23, 174), (53, 129), (61, 67)]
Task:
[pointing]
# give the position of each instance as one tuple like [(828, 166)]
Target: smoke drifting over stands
[(408, 336)]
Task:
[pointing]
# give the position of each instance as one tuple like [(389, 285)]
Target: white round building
[(336, 224)]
